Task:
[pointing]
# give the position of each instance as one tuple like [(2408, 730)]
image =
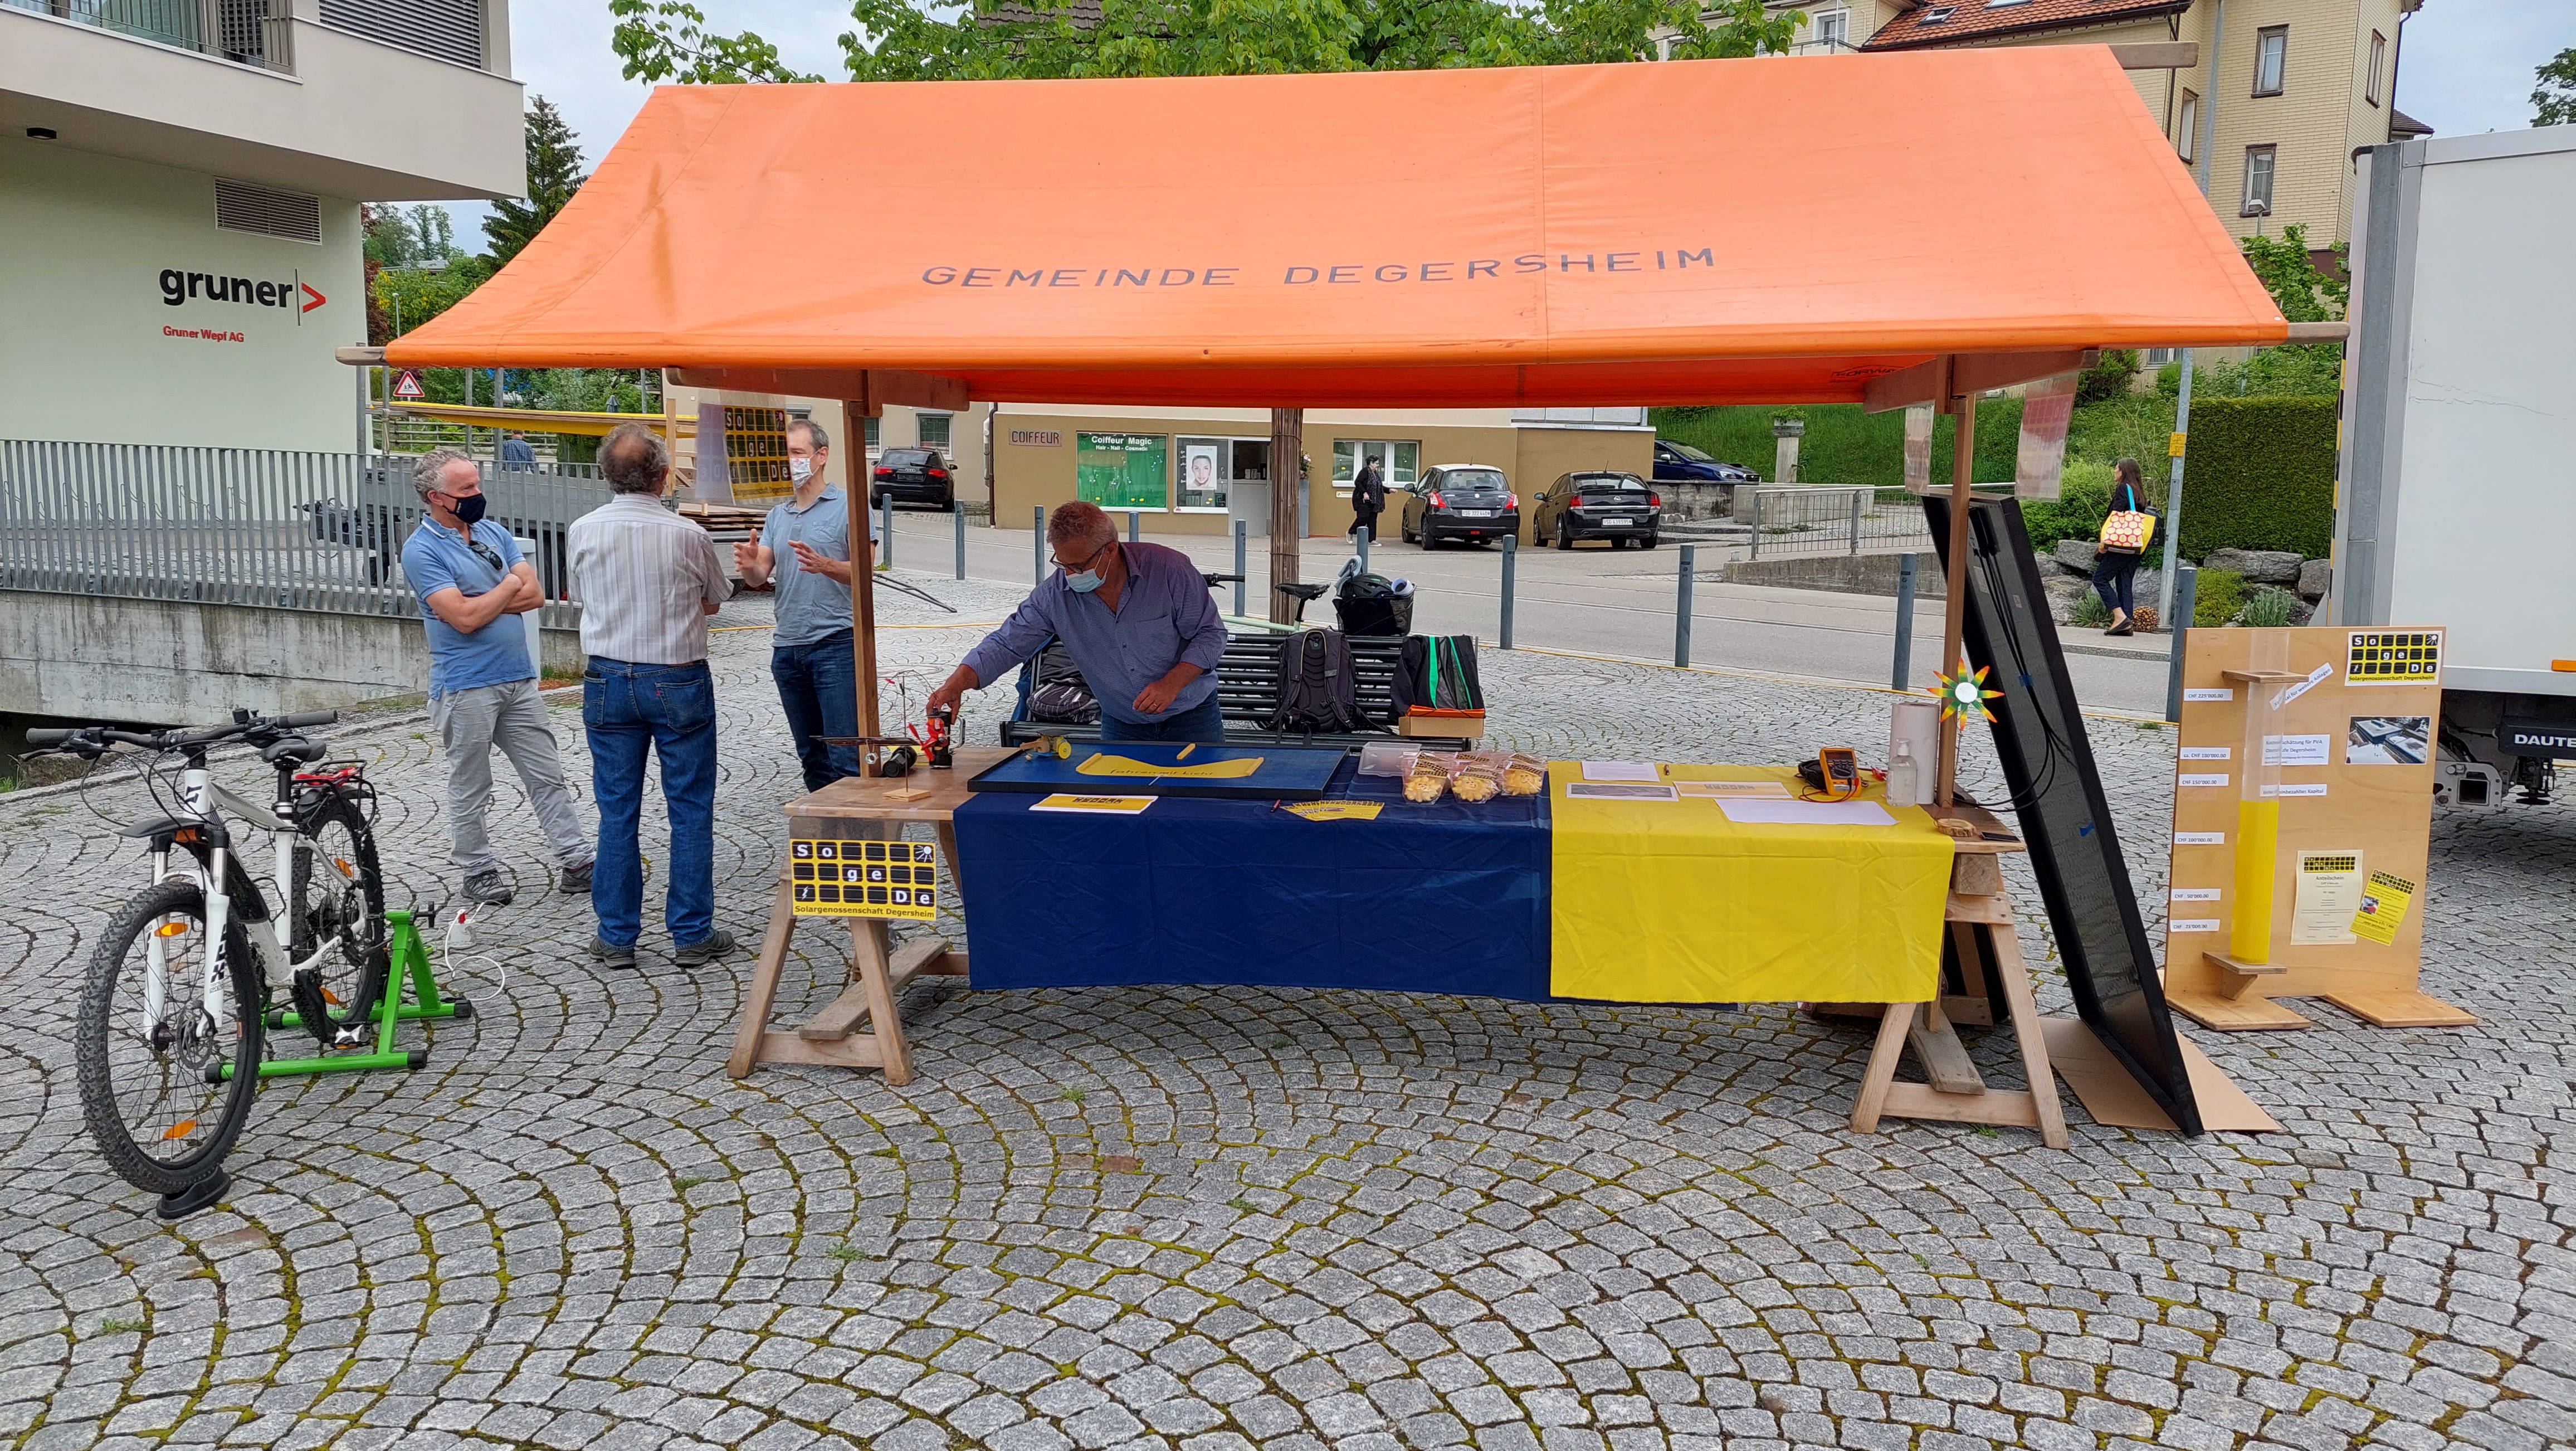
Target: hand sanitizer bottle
[(1901, 778)]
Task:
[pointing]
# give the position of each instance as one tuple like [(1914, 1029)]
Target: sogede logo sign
[(180, 288)]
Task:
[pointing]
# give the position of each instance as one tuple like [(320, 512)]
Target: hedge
[(1843, 445), (2260, 475)]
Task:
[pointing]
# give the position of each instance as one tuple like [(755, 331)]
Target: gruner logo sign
[(179, 288)]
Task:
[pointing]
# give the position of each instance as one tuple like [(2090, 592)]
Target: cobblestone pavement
[(1217, 1219)]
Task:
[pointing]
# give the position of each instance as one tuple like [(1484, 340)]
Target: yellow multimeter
[(1834, 773)]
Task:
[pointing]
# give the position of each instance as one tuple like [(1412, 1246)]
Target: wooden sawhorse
[(858, 808), (1977, 914)]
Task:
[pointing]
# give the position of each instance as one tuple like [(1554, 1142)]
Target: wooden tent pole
[(1954, 610), (863, 574), (1287, 443)]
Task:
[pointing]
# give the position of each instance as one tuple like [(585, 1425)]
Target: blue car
[(1680, 462)]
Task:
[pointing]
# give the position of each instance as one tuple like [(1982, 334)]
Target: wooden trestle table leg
[(763, 995)]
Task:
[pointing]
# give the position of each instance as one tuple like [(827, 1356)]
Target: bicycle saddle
[(296, 747), (1302, 591)]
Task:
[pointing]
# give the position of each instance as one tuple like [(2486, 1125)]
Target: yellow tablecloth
[(1670, 901)]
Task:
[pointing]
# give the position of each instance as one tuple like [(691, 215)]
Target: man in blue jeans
[(805, 548), (647, 579), (1137, 620)]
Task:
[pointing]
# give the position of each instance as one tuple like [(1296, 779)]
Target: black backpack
[(1317, 693)]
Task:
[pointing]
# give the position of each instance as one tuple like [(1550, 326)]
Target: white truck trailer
[(2457, 505)]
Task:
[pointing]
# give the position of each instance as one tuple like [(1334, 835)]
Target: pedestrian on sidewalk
[(516, 453), (473, 586), (647, 579), (2115, 569), (811, 656), (1368, 496)]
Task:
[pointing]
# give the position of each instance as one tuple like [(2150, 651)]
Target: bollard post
[(885, 513), (1897, 679), (2186, 594), (1132, 535), (1239, 531), (1511, 555), (1037, 543), (1682, 608), (1361, 534), (1857, 494), (959, 511)]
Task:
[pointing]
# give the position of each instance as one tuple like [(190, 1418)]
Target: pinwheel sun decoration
[(1963, 694)]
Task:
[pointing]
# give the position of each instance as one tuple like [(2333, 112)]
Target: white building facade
[(180, 180)]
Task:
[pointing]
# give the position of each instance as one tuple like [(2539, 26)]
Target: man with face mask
[(1137, 620), (810, 657), (473, 586)]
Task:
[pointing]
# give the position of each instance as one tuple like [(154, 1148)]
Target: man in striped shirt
[(647, 579)]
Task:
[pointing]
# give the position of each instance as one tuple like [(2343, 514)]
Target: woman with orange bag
[(2125, 532)]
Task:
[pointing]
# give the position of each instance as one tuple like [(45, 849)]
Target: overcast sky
[(2466, 64)]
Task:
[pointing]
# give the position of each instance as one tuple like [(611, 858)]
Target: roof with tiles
[(1955, 22)]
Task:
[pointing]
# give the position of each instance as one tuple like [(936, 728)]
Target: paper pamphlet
[(1643, 771), (2296, 751), (1806, 813), (1740, 789), (1096, 805), (2329, 892), (1619, 791), (1336, 810), (2383, 908)]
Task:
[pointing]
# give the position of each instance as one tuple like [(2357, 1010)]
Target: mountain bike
[(174, 1009)]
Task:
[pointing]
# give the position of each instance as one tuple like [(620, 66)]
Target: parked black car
[(1613, 506), (1682, 463), (1472, 502), (913, 476)]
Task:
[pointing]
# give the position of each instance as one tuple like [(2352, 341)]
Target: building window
[(2187, 135), (934, 430), (2271, 59), (2158, 357), (875, 432), (1398, 462), (2378, 64), (1937, 15), (450, 30), (1833, 30), (2258, 180)]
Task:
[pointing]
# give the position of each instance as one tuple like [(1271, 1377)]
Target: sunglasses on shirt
[(487, 554)]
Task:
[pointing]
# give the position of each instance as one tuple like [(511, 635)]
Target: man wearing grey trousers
[(473, 585)]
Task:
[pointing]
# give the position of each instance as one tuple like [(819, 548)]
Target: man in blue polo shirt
[(805, 547), (1137, 620), (473, 586)]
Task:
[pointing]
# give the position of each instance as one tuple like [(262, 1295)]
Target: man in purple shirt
[(1138, 622)]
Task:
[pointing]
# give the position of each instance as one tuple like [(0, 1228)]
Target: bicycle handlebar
[(308, 718), (98, 738)]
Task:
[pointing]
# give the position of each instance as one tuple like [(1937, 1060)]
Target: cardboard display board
[(2057, 796), (2358, 721)]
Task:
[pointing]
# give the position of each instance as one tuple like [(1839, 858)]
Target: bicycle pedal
[(354, 1036), (311, 1008)]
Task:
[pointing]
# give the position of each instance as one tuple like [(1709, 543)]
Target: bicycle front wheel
[(166, 1079), (338, 892)]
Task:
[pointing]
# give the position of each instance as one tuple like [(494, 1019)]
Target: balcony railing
[(237, 30)]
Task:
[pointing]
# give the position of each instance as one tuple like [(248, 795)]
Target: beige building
[(179, 189), (2291, 87)]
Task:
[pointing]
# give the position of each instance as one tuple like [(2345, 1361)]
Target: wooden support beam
[(1963, 458), (1971, 374), (2319, 332), (863, 575), (2234, 977), (1287, 482), (2158, 55), (1944, 1058)]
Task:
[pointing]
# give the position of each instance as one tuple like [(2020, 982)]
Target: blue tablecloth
[(1446, 898)]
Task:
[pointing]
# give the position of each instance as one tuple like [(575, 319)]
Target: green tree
[(2108, 378), (2287, 269), (2553, 101), (554, 174), (1053, 39)]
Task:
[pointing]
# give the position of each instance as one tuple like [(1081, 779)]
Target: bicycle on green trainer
[(172, 1015)]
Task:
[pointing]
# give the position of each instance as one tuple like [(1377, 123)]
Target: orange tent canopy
[(1776, 230)]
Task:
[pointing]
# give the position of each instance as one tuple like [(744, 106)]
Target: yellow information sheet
[(1336, 810), (1097, 805), (1652, 904), (2383, 908)]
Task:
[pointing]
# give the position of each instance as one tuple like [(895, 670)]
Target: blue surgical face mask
[(1083, 583)]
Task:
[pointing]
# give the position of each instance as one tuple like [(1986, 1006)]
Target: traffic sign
[(408, 385)]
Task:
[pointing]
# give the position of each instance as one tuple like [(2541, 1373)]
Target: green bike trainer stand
[(410, 965)]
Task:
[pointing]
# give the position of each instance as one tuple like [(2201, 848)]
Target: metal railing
[(249, 31), (263, 528), (1799, 522)]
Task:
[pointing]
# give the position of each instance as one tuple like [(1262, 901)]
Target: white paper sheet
[(1806, 813), (1619, 791), (1772, 790), (1643, 771)]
